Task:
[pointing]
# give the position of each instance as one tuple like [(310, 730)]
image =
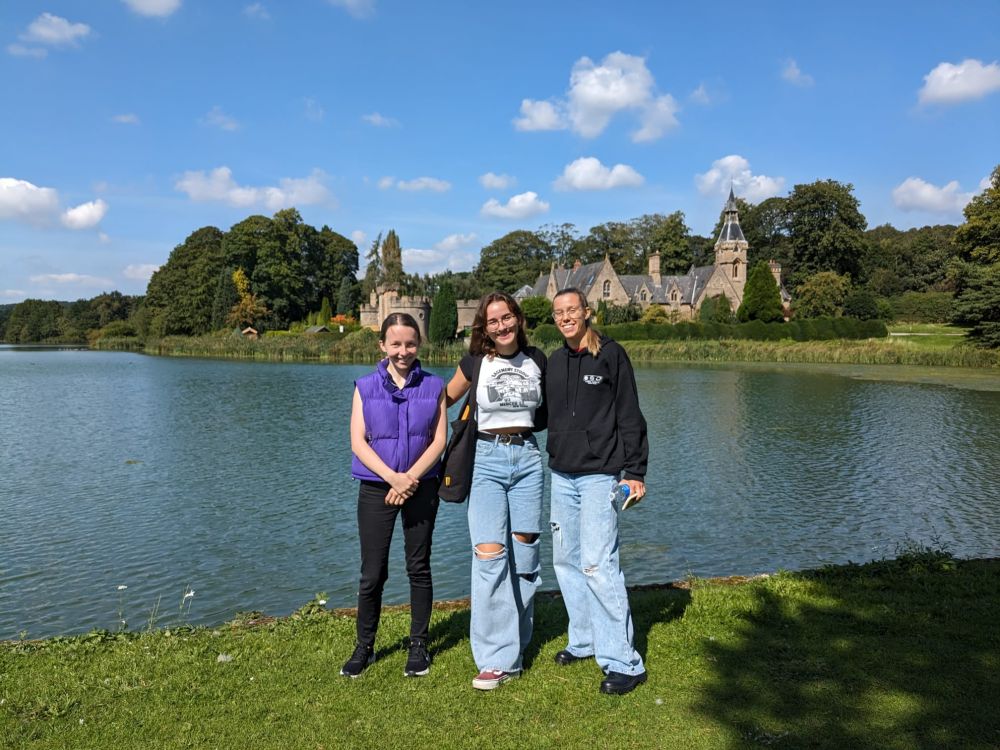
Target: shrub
[(923, 307)]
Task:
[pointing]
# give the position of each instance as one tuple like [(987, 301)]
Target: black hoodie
[(595, 425)]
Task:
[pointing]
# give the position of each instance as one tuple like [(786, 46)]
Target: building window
[(607, 288), (642, 295), (736, 270), (673, 296)]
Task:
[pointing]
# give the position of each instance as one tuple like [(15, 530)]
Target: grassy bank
[(933, 346), (895, 654)]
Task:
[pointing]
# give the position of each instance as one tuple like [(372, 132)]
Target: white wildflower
[(223, 658), (322, 601)]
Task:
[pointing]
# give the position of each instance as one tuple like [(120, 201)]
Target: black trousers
[(376, 522)]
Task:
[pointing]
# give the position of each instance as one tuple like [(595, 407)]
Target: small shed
[(249, 332), (317, 329)]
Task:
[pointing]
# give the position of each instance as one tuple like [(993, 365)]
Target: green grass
[(896, 654)]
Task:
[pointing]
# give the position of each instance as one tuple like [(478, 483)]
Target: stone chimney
[(654, 268)]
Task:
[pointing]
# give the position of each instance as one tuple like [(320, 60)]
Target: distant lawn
[(927, 335), (899, 654)]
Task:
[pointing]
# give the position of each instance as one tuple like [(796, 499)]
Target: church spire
[(731, 231)]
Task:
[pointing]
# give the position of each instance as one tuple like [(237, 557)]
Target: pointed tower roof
[(731, 231)]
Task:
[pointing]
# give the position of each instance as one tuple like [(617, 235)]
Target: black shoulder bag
[(460, 455)]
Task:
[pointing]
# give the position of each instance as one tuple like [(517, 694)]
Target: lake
[(231, 480)]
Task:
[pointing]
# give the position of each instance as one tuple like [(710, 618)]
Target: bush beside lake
[(894, 654)]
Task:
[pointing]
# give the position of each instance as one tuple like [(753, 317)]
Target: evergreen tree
[(345, 297), (444, 316), (537, 310), (325, 313), (392, 260), (716, 310), (761, 297), (373, 271)]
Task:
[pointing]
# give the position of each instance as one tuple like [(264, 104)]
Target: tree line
[(273, 271)]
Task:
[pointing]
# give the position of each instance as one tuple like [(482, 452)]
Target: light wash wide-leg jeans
[(585, 557), (506, 499)]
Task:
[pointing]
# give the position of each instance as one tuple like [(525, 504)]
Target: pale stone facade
[(680, 296), (387, 300)]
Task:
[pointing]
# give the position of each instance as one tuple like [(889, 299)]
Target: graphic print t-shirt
[(510, 389)]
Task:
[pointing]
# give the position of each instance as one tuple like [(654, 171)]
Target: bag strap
[(470, 400)]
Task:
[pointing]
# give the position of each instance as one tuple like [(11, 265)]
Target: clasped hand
[(401, 487)]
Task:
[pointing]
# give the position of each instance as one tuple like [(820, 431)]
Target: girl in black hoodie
[(596, 441)]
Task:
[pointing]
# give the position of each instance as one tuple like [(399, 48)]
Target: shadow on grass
[(893, 654)]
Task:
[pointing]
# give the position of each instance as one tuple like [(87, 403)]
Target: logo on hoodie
[(593, 379)]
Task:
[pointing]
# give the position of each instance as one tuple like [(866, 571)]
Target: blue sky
[(128, 124)]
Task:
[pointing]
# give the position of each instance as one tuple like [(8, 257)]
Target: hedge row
[(805, 329)]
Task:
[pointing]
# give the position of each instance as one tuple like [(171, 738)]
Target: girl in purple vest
[(398, 432)]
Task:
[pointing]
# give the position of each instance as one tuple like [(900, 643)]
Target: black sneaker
[(418, 663), (359, 661)]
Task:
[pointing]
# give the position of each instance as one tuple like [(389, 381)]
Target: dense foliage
[(761, 297), (444, 316), (47, 321)]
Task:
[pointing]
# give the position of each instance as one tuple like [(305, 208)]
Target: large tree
[(822, 295), (181, 291), (978, 238), (279, 280), (510, 262), (35, 320), (373, 268), (825, 230)]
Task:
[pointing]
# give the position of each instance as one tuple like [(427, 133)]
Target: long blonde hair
[(591, 336)]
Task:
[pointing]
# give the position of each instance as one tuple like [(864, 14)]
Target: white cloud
[(54, 31), (658, 118), (103, 237), (454, 242), (86, 215), (219, 119), (915, 194), (71, 278), (219, 185), (380, 121), (140, 272), (26, 202), (257, 11), (424, 183), (700, 95), (417, 184), (12, 295), (19, 50), (431, 261), (951, 84), (597, 92), (359, 237), (588, 173), (357, 8), (127, 118), (734, 170), (492, 181), (794, 76), (986, 182), (519, 207), (153, 8), (539, 116), (313, 110)]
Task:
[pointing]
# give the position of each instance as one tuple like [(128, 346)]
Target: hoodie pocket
[(570, 446)]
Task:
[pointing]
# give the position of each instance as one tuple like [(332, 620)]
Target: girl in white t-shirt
[(505, 504)]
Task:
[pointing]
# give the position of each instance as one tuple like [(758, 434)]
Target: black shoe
[(617, 683), (359, 661), (564, 658), (418, 663)]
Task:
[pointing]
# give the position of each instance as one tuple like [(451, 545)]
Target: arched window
[(736, 269), (607, 288), (642, 295), (673, 296)]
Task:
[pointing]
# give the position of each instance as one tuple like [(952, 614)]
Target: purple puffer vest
[(399, 424)]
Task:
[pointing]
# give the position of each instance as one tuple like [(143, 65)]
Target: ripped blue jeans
[(506, 500), (585, 558)]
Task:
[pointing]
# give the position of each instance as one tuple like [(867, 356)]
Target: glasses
[(506, 320), (569, 312)]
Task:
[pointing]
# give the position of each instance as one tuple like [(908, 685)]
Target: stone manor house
[(680, 296)]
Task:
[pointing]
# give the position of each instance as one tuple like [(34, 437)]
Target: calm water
[(232, 479)]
